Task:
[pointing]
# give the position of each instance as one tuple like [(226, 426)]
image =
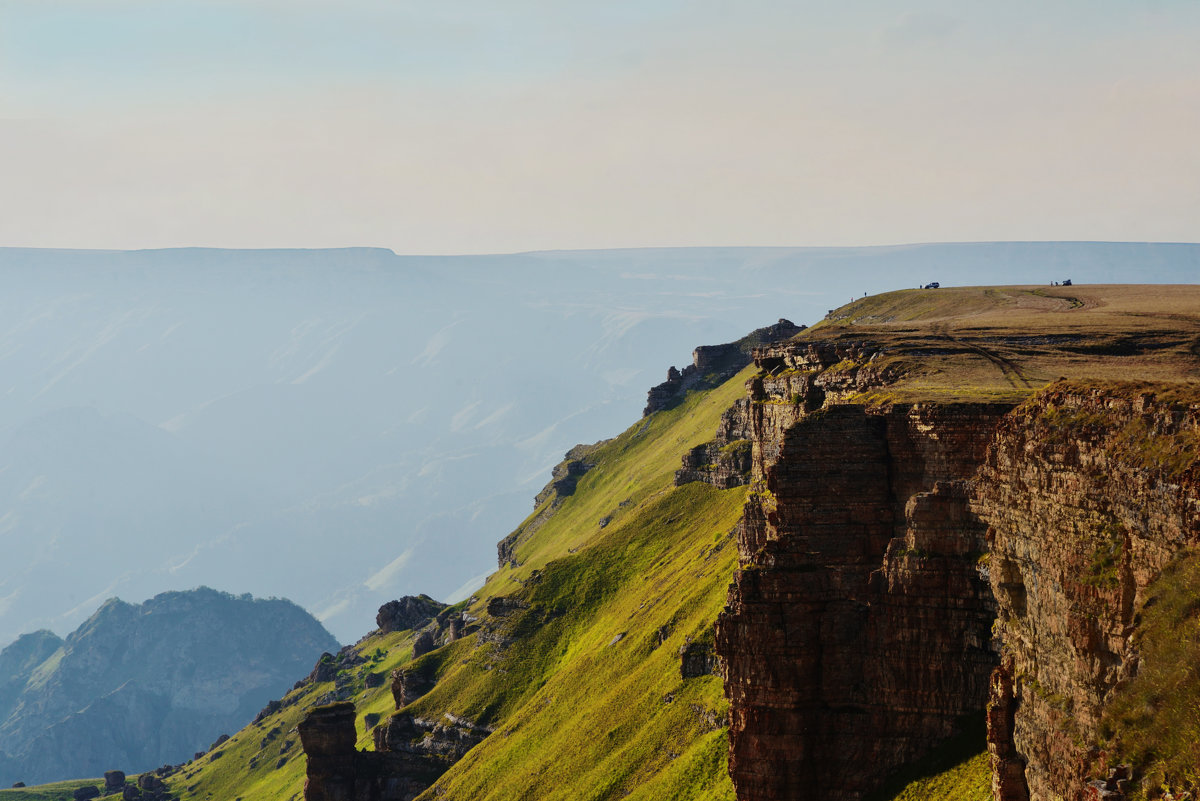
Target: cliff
[(1088, 493), (858, 627), (918, 549)]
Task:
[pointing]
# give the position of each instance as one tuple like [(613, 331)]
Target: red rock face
[(857, 632), (1086, 500), (879, 546)]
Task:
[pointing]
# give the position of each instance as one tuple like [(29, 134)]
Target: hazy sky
[(467, 126)]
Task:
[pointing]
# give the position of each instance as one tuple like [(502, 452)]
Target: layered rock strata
[(1087, 494), (338, 771), (880, 542), (858, 630)]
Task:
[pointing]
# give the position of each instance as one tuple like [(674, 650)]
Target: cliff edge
[(930, 537)]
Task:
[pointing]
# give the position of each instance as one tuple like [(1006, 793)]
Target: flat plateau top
[(1005, 342)]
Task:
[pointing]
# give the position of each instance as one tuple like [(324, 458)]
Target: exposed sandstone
[(1087, 495), (857, 633), (880, 542)]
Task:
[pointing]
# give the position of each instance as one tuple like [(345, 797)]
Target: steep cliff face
[(1087, 494), (892, 556), (857, 633)]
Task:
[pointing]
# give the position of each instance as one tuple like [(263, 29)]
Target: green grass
[(590, 703), (58, 791), (577, 714), (248, 764), (969, 780), (1153, 721)]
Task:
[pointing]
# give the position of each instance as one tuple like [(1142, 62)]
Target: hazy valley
[(849, 488)]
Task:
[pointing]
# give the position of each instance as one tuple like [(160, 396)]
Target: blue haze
[(342, 427)]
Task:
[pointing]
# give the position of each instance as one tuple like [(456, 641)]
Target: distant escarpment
[(137, 686)]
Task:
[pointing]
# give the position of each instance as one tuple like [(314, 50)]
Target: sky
[(512, 125)]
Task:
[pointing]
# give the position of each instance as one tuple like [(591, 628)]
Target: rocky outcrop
[(1087, 494), (726, 461), (697, 659), (409, 612), (712, 365), (338, 771), (410, 752)]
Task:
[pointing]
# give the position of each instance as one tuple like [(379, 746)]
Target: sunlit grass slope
[(588, 700), (586, 697), (969, 780), (57, 791)]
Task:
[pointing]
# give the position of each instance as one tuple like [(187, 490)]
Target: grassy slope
[(57, 791), (589, 704), (575, 715), (970, 780), (263, 761)]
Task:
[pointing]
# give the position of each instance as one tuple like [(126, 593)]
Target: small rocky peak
[(712, 365), (409, 612), (566, 474)]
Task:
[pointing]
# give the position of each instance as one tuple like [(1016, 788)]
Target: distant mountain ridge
[(140, 685), (180, 417)]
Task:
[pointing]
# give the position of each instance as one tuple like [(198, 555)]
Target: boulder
[(114, 780), (409, 612)]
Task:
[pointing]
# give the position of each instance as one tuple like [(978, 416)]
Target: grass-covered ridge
[(587, 698), (588, 701)]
